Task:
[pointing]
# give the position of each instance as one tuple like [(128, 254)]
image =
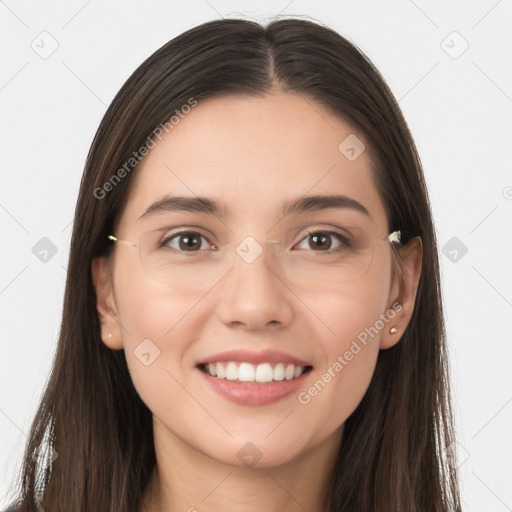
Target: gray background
[(457, 101)]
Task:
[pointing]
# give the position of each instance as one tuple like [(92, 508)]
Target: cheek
[(155, 332), (148, 308), (353, 319), (349, 311)]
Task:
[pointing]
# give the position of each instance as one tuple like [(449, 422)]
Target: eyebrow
[(209, 206)]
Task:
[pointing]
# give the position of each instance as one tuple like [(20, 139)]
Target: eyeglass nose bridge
[(250, 249)]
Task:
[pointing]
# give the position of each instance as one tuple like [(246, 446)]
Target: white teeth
[(264, 373), (247, 372), (288, 373), (279, 371), (219, 370), (231, 371)]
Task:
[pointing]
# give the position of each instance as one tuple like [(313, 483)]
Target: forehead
[(253, 154)]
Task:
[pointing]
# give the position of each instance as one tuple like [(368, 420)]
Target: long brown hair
[(396, 450)]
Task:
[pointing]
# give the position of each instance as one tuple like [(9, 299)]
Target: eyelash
[(344, 241)]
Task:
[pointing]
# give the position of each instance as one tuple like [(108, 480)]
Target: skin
[(252, 154)]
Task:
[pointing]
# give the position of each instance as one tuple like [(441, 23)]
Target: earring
[(393, 330), (109, 335)]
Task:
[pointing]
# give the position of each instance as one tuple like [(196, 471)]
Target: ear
[(402, 295), (105, 303)]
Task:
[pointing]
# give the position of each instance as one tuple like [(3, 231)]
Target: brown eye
[(324, 241), (188, 241), (320, 241)]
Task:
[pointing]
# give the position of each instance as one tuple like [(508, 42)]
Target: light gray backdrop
[(448, 63)]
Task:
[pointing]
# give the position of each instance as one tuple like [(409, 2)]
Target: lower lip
[(254, 393)]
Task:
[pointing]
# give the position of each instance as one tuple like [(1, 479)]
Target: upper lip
[(248, 356)]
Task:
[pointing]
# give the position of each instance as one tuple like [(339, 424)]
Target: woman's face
[(250, 279)]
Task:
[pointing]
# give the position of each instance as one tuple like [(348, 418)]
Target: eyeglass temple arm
[(395, 237), (112, 238)]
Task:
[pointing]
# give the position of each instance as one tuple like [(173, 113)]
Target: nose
[(253, 296)]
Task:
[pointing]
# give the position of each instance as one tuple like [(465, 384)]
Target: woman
[(252, 314)]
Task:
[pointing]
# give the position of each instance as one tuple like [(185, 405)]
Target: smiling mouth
[(264, 373)]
